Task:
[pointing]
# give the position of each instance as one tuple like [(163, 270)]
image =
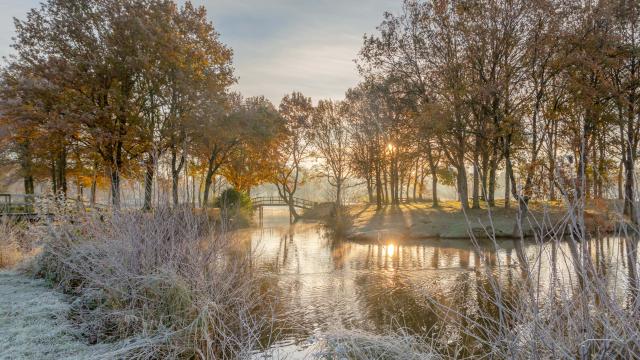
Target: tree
[(296, 111), (120, 65), (330, 138), (251, 163)]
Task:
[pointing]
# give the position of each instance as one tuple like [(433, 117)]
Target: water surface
[(328, 283)]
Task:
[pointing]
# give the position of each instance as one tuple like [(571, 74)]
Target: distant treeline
[(546, 90), (457, 92)]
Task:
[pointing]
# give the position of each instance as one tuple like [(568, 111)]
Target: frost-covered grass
[(353, 344), (15, 244), (166, 284), (34, 325)]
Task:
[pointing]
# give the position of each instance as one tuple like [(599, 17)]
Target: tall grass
[(15, 243), (578, 307), (167, 284), (353, 344), (170, 284), (561, 298)]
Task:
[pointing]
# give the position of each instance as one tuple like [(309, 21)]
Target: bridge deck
[(263, 201)]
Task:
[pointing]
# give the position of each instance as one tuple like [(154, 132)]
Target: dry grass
[(16, 244), (578, 307), (421, 220), (166, 282), (351, 344), (34, 323), (167, 285)]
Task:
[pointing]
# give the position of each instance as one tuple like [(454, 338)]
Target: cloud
[(8, 10), (279, 45), (287, 45)]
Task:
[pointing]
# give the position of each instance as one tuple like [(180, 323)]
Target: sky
[(279, 46)]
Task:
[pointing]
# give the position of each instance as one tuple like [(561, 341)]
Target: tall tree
[(296, 111), (330, 138)]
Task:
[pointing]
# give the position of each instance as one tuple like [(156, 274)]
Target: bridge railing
[(31, 204), (278, 201), (17, 203)]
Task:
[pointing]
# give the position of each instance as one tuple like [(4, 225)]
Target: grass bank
[(169, 284), (166, 284), (420, 220), (34, 324)]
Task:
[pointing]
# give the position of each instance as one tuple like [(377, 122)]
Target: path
[(33, 323)]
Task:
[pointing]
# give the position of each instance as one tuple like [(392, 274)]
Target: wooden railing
[(17, 203), (262, 201), (31, 206)]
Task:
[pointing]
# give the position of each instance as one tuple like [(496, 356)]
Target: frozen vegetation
[(34, 325)]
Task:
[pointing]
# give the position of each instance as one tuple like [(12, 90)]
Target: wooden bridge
[(262, 201), (29, 207)]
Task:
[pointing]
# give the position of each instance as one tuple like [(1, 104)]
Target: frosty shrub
[(170, 282)]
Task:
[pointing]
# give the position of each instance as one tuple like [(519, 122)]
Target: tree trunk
[(484, 175), (378, 186), (493, 169), (433, 169), (148, 183), (476, 183), (92, 195), (620, 186), (394, 183), (28, 185), (629, 162), (552, 161), (115, 163), (54, 177), (27, 168), (400, 187), (463, 192), (434, 189), (176, 167), (207, 187), (61, 171), (294, 216), (415, 180), (193, 192), (507, 189), (629, 187), (421, 184), (508, 171), (114, 175), (386, 185), (200, 183)]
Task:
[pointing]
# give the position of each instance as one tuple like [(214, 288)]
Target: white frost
[(33, 323)]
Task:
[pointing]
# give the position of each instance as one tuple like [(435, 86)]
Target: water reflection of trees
[(450, 291)]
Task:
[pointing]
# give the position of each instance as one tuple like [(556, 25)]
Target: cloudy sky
[(279, 45)]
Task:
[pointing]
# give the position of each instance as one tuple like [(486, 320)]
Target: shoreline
[(420, 221)]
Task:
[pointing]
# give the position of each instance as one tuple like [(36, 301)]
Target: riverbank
[(414, 221)]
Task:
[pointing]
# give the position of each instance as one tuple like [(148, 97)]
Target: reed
[(166, 284)]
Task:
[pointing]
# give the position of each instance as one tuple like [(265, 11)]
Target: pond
[(328, 284)]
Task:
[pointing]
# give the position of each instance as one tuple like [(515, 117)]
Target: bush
[(236, 208), (164, 283), (234, 199)]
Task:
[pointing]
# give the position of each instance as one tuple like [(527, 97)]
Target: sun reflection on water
[(391, 249)]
